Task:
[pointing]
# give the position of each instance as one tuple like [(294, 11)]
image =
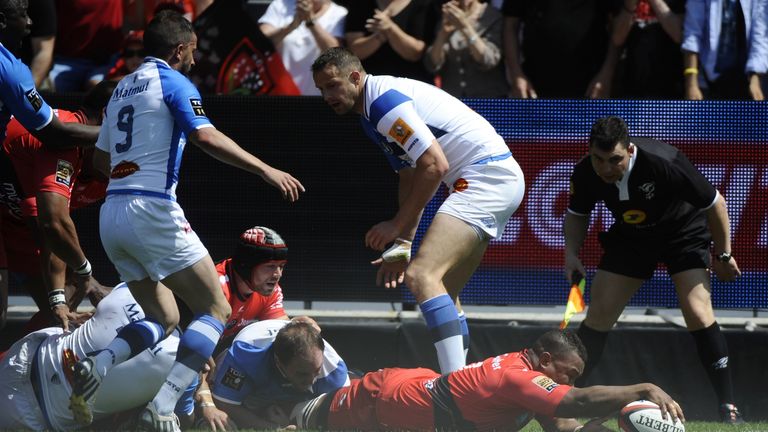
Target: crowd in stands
[(635, 49)]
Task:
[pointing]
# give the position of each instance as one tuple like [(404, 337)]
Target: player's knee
[(420, 281)]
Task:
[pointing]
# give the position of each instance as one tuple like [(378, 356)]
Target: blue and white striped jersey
[(145, 129), (248, 373), (18, 95)]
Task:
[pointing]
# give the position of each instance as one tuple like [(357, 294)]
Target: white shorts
[(18, 406), (147, 237), (486, 195)]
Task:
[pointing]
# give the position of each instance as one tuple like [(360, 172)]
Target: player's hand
[(288, 185), (381, 234), (65, 317), (667, 405), (215, 418), (573, 264), (390, 274), (596, 424), (726, 271)]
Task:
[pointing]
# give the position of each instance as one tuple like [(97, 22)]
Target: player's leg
[(199, 287), (609, 294), (693, 290), (448, 242)]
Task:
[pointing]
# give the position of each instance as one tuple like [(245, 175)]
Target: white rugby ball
[(645, 416)]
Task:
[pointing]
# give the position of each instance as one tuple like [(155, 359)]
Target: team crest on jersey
[(400, 131), (233, 379), (35, 99), (197, 107), (649, 189), (460, 185), (633, 216), (64, 172), (545, 382), (123, 169)]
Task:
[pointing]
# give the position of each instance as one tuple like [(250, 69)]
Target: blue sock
[(130, 340), (464, 333), (195, 347), (443, 324)]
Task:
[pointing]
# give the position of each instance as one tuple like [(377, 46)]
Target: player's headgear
[(255, 246)]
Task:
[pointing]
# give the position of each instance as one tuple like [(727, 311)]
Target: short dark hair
[(297, 340), (607, 132), (340, 57), (558, 343), (165, 32), (96, 98)]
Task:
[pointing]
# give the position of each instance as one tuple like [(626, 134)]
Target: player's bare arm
[(221, 147), (102, 162), (598, 401), (575, 228), (719, 226), (58, 134), (429, 171)]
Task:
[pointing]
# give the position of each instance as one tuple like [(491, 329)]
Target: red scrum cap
[(255, 246)]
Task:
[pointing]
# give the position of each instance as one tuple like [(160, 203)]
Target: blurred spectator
[(37, 48), (562, 50), (725, 48), (391, 36), (650, 31), (466, 51), (301, 30), (88, 39), (138, 13), (131, 56)]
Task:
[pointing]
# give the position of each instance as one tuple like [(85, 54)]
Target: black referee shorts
[(639, 257)]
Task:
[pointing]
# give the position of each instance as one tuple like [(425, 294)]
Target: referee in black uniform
[(665, 211)]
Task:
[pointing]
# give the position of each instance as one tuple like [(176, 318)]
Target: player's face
[(339, 90), (301, 372), (564, 369), (188, 55), (264, 277), (610, 166), (17, 24)]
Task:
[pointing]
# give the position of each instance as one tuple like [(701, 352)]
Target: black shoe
[(730, 414)]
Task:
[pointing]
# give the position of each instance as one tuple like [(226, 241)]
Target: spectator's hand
[(455, 15), (380, 23), (726, 271), (288, 185), (630, 5), (381, 234), (665, 402), (692, 90), (600, 87), (522, 87), (391, 274), (755, 89), (303, 10), (572, 264), (215, 418)]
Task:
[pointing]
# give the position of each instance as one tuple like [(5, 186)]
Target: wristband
[(202, 392), (690, 71), (399, 251), (207, 405), (84, 269), (56, 297), (472, 39)]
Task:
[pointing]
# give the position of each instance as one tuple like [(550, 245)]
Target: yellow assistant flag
[(575, 298)]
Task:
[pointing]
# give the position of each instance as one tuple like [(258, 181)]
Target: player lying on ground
[(501, 393)]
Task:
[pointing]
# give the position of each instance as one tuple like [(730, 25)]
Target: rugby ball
[(645, 416)]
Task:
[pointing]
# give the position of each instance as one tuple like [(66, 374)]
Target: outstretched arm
[(598, 401)]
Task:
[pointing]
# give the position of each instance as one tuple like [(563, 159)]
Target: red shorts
[(389, 399)]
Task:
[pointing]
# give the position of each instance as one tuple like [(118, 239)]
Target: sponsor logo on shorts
[(545, 382), (460, 185), (233, 379), (400, 131), (197, 107), (64, 172), (123, 169), (34, 99), (633, 216)]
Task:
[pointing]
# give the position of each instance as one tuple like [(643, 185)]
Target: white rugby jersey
[(128, 385), (145, 129), (403, 116)]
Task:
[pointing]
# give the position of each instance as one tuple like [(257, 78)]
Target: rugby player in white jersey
[(429, 137), (36, 372), (152, 114)]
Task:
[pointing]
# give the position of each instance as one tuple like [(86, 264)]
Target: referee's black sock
[(594, 341), (713, 353)]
